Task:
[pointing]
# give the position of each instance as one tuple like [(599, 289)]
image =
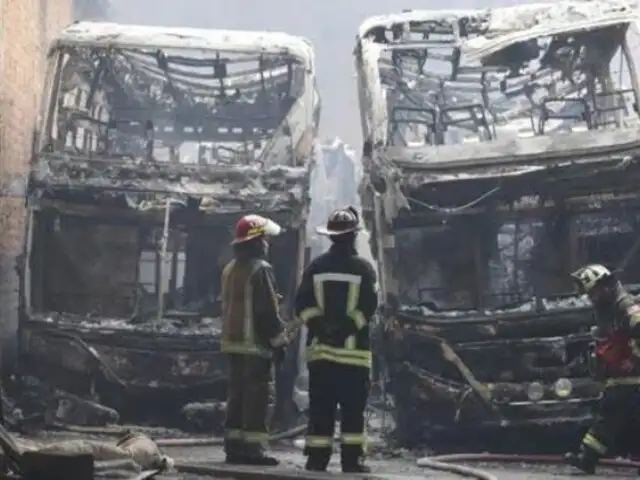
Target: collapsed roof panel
[(221, 114), (106, 34), (472, 92), (222, 189)]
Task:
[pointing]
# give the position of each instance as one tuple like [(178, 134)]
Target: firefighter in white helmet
[(616, 336), (252, 337)]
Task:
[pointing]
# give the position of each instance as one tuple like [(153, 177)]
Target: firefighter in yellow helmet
[(617, 363), (336, 300), (252, 338)]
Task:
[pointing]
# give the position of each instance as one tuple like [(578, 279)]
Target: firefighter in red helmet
[(252, 337), (617, 362), (336, 300)]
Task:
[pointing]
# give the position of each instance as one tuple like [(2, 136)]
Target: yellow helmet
[(589, 276)]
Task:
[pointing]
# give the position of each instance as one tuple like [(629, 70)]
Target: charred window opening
[(176, 105), (84, 268), (511, 255), (110, 270), (443, 82), (490, 282), (106, 269)]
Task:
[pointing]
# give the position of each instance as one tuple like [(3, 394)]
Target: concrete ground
[(401, 467), (404, 468)]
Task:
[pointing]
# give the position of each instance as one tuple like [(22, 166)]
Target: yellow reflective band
[(353, 439), (612, 382), (360, 358), (257, 230), (316, 441), (358, 319), (248, 309), (256, 437), (309, 313), (244, 349), (593, 443), (343, 352), (352, 304), (318, 293), (234, 434), (340, 360), (353, 295), (350, 343)]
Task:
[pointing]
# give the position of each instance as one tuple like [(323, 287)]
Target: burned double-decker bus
[(500, 153), (152, 143)]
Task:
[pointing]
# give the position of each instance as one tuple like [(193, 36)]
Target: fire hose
[(196, 469), (441, 463), (520, 458), (261, 473), (453, 463)]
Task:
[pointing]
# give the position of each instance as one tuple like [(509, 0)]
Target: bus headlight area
[(561, 388), (535, 391)]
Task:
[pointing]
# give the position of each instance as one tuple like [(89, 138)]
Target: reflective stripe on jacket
[(336, 299), (239, 297)]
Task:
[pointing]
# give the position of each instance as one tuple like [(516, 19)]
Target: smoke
[(334, 184)]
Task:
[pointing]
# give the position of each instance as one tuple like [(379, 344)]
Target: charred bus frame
[(480, 207), (153, 141)]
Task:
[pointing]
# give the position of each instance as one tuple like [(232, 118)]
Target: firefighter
[(616, 335), (252, 337), (336, 300)]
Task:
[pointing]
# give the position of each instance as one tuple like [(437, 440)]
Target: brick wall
[(26, 27)]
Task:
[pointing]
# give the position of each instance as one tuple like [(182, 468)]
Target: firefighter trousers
[(619, 405), (247, 405), (333, 385)]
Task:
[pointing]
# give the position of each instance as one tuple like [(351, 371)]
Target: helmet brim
[(332, 233), (272, 229)]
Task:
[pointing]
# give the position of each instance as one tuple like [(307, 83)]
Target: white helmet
[(589, 276)]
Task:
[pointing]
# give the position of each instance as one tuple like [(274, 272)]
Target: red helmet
[(254, 226)]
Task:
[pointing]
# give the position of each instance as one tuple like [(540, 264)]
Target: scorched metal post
[(163, 254)]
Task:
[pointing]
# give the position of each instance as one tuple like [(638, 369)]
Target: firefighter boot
[(585, 460), (262, 459), (357, 467), (235, 459), (234, 452), (353, 463), (318, 461), (251, 454)]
